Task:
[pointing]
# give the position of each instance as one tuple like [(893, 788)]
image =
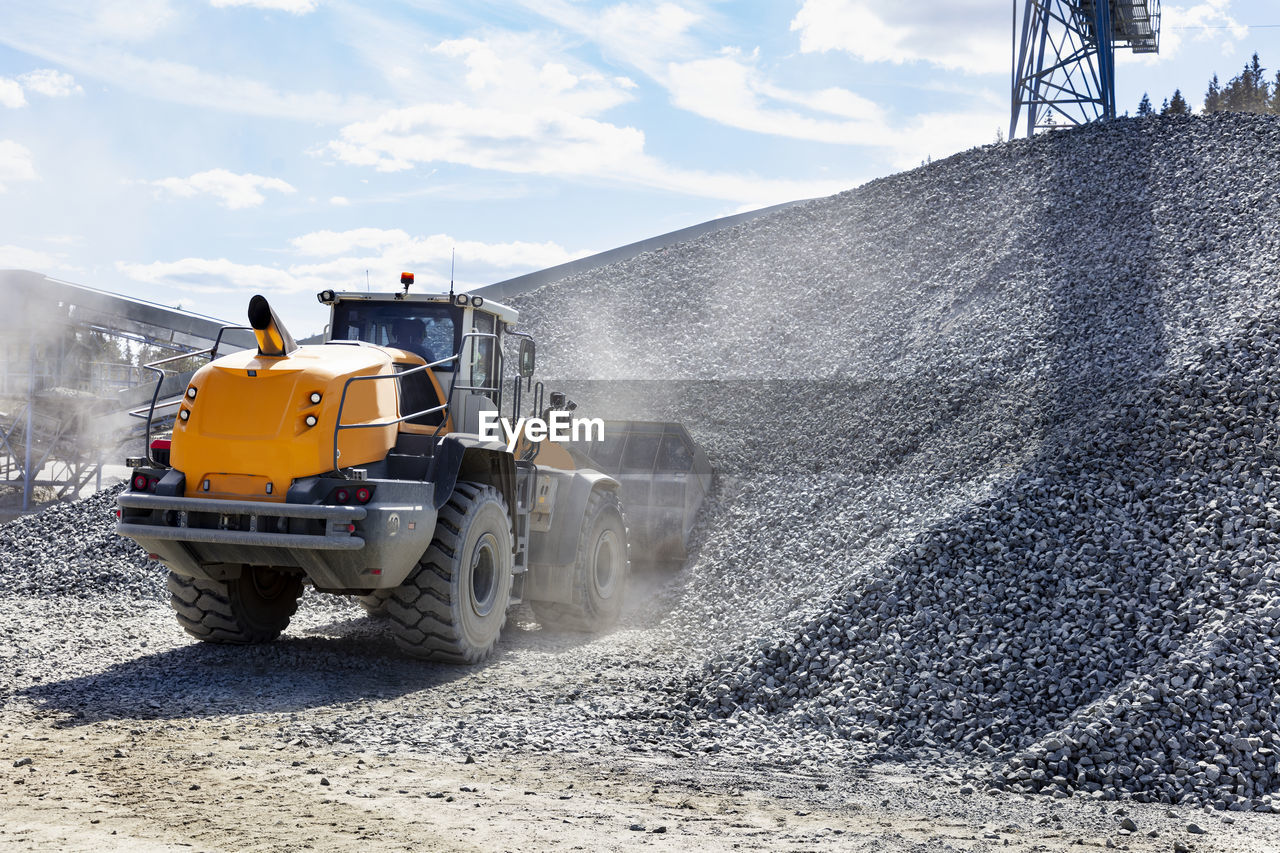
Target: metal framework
[(1064, 58), (60, 415)]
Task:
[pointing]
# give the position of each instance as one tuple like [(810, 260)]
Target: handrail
[(516, 394), (155, 367), (539, 394), (339, 426), (453, 376)]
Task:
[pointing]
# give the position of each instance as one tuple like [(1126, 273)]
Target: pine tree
[(1248, 91), (1177, 105), (1275, 95), (1213, 97), (1259, 94), (1144, 106)]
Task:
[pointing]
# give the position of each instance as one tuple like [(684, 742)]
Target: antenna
[(366, 281), (453, 254)]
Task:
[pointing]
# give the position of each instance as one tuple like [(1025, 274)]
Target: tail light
[(144, 482), (351, 494)]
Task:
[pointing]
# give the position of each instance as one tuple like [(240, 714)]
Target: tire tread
[(421, 608)]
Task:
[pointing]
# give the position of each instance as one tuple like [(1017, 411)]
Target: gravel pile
[(1108, 250), (71, 549), (1041, 526), (1111, 617)]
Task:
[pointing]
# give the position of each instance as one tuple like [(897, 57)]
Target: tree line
[(1247, 92)]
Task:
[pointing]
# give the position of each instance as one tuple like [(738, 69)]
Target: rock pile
[(1043, 529), (1096, 255), (71, 549), (1108, 622)]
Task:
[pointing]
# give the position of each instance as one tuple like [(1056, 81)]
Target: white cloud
[(938, 135), (232, 190), (525, 111), (642, 35), (339, 201), (11, 94), (186, 84), (346, 265), (50, 83), (529, 113), (15, 163), (731, 91), (293, 7), (324, 243), (42, 81), (133, 20), (554, 143), (523, 72), (1207, 21), (95, 47), (966, 35), (397, 245), (22, 258), (539, 141), (669, 45), (208, 275)]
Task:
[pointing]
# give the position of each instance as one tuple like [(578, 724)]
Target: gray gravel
[(71, 549), (1107, 622), (998, 455), (1073, 337)]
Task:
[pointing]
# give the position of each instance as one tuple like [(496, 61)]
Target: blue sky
[(195, 152)]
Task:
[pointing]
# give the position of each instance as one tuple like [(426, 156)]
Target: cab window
[(484, 372), (418, 394), (428, 329)]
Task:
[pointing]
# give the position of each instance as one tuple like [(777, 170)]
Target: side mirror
[(527, 357)]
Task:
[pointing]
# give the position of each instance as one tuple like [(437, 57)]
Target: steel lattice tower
[(1064, 54)]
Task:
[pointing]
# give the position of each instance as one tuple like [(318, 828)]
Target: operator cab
[(435, 328)]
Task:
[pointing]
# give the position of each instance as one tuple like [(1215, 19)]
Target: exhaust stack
[(274, 340)]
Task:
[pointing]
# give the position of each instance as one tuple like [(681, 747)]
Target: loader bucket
[(665, 476)]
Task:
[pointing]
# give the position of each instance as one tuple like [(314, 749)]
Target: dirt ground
[(234, 785), (119, 732)]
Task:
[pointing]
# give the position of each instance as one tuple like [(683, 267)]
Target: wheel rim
[(605, 567), (484, 575), (267, 584)]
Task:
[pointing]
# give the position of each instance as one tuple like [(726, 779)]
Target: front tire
[(600, 573), (253, 608), (453, 604)]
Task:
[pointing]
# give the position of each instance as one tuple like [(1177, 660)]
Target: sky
[(195, 152)]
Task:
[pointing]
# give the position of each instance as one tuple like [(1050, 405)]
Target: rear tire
[(253, 608), (600, 574), (453, 604)]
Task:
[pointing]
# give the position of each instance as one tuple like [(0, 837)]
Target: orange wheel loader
[(376, 464)]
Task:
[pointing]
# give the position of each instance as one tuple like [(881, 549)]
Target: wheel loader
[(368, 465)]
